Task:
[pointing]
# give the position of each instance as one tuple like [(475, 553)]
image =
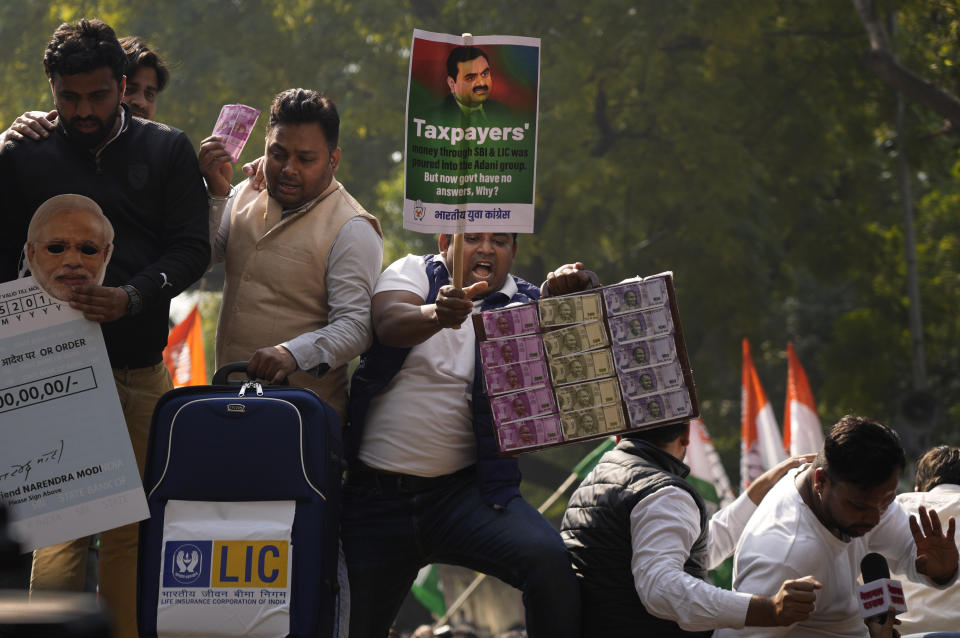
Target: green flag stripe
[(590, 460), (426, 589), (706, 489)]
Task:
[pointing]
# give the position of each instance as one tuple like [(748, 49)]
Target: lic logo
[(226, 563), (186, 564), (418, 211)]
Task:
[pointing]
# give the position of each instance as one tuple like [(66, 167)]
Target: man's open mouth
[(482, 269)]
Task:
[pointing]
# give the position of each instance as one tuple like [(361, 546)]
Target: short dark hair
[(462, 54), (84, 47), (139, 54), (861, 451), (660, 436), (303, 106), (938, 466)]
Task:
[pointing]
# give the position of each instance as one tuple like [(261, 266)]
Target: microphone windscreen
[(874, 567)]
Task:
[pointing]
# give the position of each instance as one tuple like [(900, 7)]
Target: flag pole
[(461, 224)]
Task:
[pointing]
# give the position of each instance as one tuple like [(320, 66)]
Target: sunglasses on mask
[(59, 247)]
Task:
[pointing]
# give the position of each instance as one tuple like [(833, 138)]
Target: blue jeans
[(392, 528)]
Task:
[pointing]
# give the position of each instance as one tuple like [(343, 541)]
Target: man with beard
[(146, 179), (425, 482), (146, 74), (641, 540), (822, 519)]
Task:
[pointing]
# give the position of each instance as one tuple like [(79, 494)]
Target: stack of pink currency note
[(234, 127), (587, 365)]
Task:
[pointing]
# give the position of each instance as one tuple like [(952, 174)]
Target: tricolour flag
[(184, 352), (760, 444), (802, 432), (706, 469), (428, 589), (709, 479)]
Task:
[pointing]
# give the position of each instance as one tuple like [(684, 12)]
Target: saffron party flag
[(760, 444), (802, 431), (184, 352)]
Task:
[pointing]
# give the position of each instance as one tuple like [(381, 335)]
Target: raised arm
[(936, 549), (402, 319), (762, 484)]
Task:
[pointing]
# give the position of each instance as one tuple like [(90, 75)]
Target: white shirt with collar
[(422, 423), (663, 528)]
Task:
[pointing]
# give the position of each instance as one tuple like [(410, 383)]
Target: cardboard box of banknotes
[(586, 365)]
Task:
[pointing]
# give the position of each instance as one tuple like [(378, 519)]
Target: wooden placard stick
[(457, 248), (458, 260)]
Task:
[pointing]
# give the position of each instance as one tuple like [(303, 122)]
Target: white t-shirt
[(421, 423), (930, 608), (785, 540)]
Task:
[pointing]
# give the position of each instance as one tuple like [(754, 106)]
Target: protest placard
[(471, 134), (67, 467)]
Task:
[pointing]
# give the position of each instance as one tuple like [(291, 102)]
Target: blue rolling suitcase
[(243, 486)]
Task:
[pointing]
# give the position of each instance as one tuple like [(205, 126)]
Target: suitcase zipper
[(250, 384), (173, 423)]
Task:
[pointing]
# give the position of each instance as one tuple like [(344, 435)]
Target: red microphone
[(879, 592)]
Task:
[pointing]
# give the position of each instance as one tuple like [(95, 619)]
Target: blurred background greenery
[(742, 144)]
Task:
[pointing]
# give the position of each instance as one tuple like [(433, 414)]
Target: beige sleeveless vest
[(275, 279)]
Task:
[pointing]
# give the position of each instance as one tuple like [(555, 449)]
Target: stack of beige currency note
[(592, 422), (575, 338), (563, 311), (588, 395), (575, 368)]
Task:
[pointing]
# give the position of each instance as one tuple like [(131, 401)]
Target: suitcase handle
[(222, 375)]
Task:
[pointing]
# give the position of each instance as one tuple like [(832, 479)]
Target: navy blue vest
[(499, 477)]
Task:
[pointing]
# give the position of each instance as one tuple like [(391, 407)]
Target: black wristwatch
[(135, 305)]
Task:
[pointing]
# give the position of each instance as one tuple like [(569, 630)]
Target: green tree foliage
[(741, 144)]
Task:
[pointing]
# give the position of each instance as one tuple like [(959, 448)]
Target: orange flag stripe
[(184, 355), (798, 390), (753, 398)]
